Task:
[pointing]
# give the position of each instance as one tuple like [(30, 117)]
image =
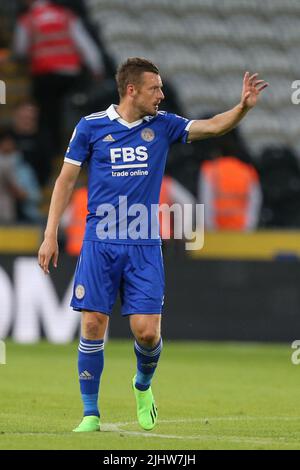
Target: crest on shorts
[(79, 291), (147, 134)]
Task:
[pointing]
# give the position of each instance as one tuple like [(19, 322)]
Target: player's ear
[(131, 90)]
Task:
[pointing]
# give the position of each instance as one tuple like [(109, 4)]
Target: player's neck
[(128, 113)]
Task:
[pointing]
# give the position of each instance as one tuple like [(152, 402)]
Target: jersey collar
[(112, 114)]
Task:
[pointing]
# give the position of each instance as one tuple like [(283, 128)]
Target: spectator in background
[(25, 128), (19, 190), (230, 189), (280, 180), (172, 192), (56, 44)]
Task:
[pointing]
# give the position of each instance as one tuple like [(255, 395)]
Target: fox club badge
[(147, 134), (79, 291)]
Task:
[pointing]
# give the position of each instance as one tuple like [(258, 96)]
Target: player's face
[(149, 94)]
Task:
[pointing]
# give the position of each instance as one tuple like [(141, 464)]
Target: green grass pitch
[(209, 396)]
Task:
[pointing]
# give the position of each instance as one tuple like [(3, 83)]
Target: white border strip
[(74, 162)]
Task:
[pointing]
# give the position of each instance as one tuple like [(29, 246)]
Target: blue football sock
[(147, 360), (90, 367)]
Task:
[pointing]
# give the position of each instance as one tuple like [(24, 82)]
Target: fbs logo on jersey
[(132, 157), (108, 138)]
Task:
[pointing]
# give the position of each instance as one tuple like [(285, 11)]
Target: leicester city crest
[(147, 134), (79, 291)]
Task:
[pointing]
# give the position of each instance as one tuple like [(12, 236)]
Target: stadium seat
[(200, 28), (251, 29)]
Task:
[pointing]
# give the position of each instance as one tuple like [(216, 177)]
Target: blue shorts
[(104, 269)]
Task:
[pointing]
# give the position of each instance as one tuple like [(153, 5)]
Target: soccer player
[(125, 148)]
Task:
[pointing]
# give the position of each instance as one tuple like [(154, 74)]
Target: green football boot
[(145, 406), (88, 424)]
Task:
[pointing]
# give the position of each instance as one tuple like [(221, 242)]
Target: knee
[(91, 329), (148, 338)]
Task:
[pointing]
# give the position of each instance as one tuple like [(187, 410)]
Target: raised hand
[(252, 88)]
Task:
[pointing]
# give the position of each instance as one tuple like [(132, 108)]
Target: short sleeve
[(177, 127), (78, 150)]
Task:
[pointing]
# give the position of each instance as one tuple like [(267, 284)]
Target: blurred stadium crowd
[(247, 179)]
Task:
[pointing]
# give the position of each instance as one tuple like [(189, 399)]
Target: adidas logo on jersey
[(108, 138)]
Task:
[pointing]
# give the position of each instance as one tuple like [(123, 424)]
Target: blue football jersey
[(126, 162)]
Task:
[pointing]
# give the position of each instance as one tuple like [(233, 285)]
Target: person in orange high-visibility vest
[(74, 221), (230, 191), (172, 192)]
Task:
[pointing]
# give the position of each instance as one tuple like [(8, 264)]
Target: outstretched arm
[(223, 123), (60, 198)]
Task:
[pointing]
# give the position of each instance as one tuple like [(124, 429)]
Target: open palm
[(252, 88)]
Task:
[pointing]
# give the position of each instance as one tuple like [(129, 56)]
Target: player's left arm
[(223, 123)]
